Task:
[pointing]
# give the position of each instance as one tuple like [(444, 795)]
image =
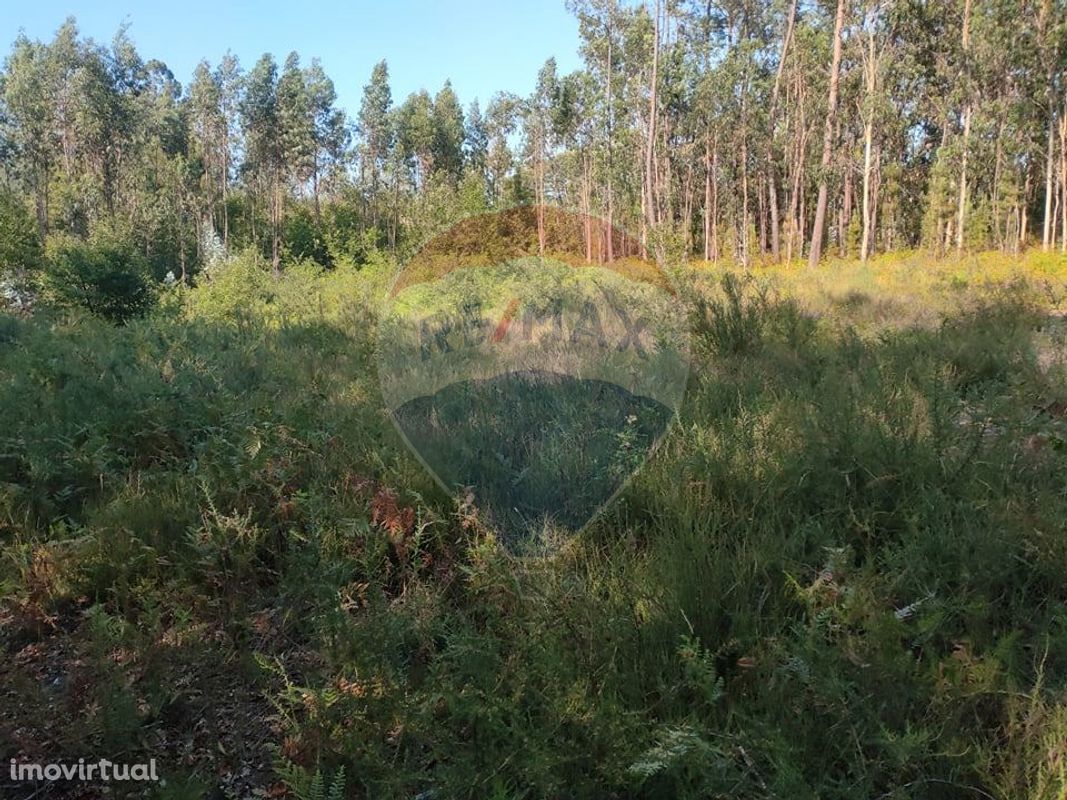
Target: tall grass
[(841, 576)]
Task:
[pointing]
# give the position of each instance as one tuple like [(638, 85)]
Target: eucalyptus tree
[(296, 125), (476, 141), (501, 120), (448, 133), (209, 128), (583, 139), (875, 38), (230, 80), (818, 227), (416, 136), (377, 135), (600, 24), (264, 146), (538, 114), (29, 121), (331, 134)]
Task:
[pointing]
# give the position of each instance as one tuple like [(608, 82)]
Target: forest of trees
[(746, 130)]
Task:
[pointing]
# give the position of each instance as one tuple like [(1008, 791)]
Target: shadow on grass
[(840, 576)]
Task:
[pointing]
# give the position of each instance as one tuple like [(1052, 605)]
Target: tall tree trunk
[(876, 189), (772, 198), (226, 193), (275, 232), (1002, 240), (649, 199), (868, 136), (1048, 234), (1055, 208), (744, 185), (315, 193), (772, 190), (744, 169), (871, 80), (762, 203), (1024, 217), (828, 141), (611, 209), (846, 209), (1048, 239), (540, 178), (1063, 181), (795, 240), (707, 196), (394, 222), (181, 255), (715, 201), (666, 198), (41, 198), (687, 206), (961, 215), (586, 210)]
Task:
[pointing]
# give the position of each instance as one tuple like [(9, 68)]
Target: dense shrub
[(108, 279), (302, 237), (20, 248), (347, 237)]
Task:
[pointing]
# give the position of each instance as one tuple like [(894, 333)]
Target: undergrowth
[(840, 576)]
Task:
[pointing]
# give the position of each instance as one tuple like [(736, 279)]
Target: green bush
[(108, 279), (20, 249), (302, 237)]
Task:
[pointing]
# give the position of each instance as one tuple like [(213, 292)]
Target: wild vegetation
[(841, 575)]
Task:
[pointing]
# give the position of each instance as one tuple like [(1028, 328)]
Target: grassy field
[(842, 575)]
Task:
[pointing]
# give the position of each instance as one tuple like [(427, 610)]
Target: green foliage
[(302, 238), (106, 278), (20, 248), (840, 576), (733, 324), (312, 785), (448, 133), (347, 239)]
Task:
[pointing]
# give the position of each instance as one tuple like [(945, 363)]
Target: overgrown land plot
[(842, 575)]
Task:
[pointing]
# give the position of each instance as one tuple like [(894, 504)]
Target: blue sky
[(483, 46)]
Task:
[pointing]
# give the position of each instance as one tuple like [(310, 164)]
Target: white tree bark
[(828, 141)]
